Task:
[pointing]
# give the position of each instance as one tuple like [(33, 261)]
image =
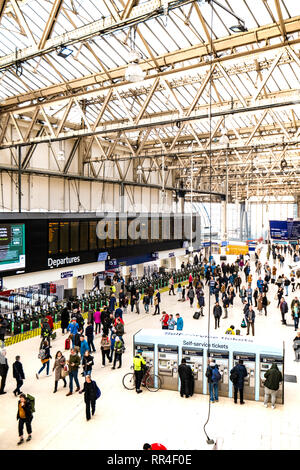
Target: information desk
[(168, 348)]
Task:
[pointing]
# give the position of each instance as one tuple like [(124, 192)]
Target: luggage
[(32, 401), (53, 335), (238, 332), (196, 315), (67, 343)]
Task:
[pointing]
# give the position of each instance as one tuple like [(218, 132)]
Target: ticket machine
[(222, 360), (249, 381), (168, 366), (266, 360), (148, 352), (194, 358)]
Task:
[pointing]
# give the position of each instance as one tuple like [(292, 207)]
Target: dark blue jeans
[(214, 391), (46, 364), (73, 376)]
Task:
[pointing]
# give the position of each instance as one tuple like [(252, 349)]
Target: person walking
[(146, 303), (259, 304), (237, 376), (296, 347), (295, 315), (46, 331), (213, 377), (73, 364), (179, 292), (273, 378), (283, 309), (265, 303), (186, 379), (3, 327), (18, 374), (139, 366), (90, 396), (87, 363), (65, 319), (191, 295), (24, 416), (157, 302), (105, 348), (118, 349), (58, 368), (3, 370), (250, 319), (225, 305), (73, 328), (97, 321), (89, 333), (217, 312), (45, 356), (171, 286), (83, 346)]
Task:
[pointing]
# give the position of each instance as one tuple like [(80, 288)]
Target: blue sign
[(66, 274), (112, 263), (155, 255), (279, 229), (171, 255), (103, 256)]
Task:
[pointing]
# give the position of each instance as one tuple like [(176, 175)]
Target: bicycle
[(151, 381)]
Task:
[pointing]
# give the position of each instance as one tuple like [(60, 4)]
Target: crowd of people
[(227, 284)]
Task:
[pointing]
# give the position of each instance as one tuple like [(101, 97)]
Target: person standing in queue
[(237, 376), (139, 366), (157, 302), (273, 378), (164, 321), (24, 416), (186, 379)]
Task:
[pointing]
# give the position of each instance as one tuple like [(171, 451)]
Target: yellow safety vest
[(229, 331), (137, 362)]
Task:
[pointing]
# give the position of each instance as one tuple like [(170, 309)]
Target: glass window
[(74, 236), (53, 237), (101, 234), (64, 237), (84, 236)]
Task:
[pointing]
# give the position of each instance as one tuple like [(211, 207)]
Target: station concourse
[(144, 143)]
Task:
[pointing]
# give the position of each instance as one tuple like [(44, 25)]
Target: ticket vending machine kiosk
[(168, 366), (148, 352), (266, 361), (222, 360), (249, 381), (194, 358)]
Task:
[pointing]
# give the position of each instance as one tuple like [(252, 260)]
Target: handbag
[(65, 371), (243, 324)]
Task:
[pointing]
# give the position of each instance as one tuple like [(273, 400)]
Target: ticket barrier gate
[(194, 358), (266, 361), (249, 381), (148, 353), (222, 361), (168, 366)]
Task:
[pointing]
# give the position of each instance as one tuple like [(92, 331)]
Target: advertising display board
[(12, 246)]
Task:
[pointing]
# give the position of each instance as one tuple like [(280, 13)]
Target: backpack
[(32, 402), (98, 391), (42, 354), (234, 376), (215, 375)]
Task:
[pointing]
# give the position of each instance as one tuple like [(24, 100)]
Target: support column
[(224, 234), (88, 282), (297, 199), (72, 283), (140, 270)]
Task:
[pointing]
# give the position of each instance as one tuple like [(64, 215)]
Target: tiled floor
[(125, 420)]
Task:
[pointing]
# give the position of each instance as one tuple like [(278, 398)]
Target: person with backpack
[(90, 396), (44, 356), (230, 330), (18, 374), (273, 378), (118, 349), (213, 377), (24, 416), (46, 331), (237, 376)]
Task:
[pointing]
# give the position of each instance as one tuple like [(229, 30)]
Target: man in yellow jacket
[(230, 331), (139, 365)]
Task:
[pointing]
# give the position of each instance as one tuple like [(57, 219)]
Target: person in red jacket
[(50, 321), (155, 446), (164, 321)]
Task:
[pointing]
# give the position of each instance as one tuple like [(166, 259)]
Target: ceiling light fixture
[(240, 28), (64, 52)]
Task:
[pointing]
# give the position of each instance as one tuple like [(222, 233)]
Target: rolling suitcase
[(67, 344), (238, 332), (196, 315)]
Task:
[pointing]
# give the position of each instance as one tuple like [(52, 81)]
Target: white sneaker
[(266, 405), (273, 407), (102, 366)]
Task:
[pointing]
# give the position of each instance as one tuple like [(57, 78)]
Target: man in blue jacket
[(83, 346), (73, 328), (179, 322), (237, 375), (260, 284)]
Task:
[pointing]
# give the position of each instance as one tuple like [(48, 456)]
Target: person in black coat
[(241, 373), (24, 416), (65, 319), (3, 326), (186, 379), (90, 395), (19, 375), (217, 311)]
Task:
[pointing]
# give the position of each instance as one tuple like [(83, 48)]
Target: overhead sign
[(103, 256), (66, 274)]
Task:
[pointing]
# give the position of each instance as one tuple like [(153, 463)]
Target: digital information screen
[(12, 246)]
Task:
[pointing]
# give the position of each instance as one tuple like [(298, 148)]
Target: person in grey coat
[(59, 363)]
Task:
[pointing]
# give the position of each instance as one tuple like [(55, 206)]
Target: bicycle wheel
[(153, 383), (129, 381)]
